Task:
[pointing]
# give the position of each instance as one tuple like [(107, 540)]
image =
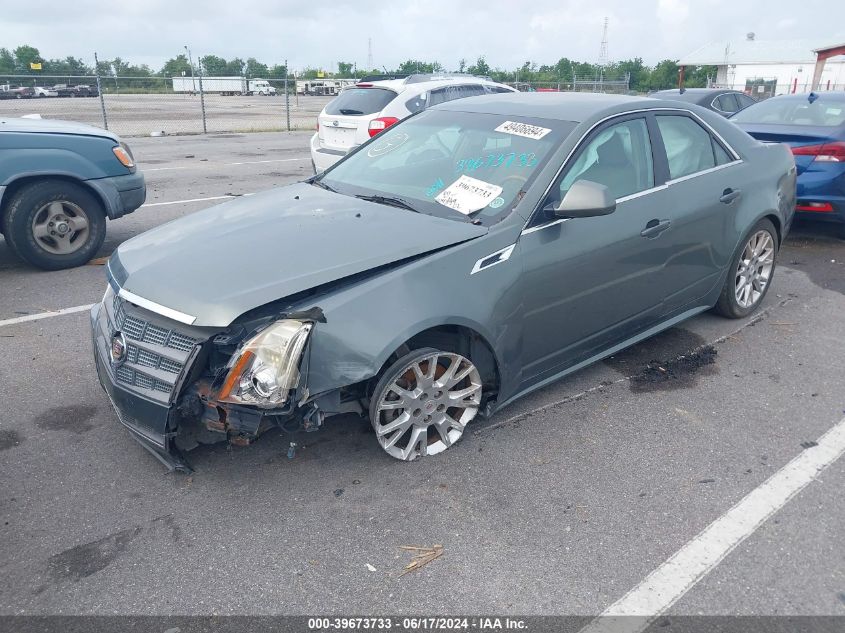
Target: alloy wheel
[(426, 405), (754, 269)]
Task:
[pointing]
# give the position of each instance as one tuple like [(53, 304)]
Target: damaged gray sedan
[(462, 258)]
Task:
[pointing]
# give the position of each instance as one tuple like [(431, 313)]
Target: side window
[(416, 104), (689, 147), (496, 89), (744, 101), (727, 103), (442, 95), (618, 157), (722, 157), (472, 90)]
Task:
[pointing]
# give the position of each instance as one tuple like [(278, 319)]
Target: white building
[(768, 67)]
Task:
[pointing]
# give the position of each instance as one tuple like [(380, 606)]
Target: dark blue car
[(813, 125)]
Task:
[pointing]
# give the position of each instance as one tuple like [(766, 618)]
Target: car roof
[(832, 95), (562, 106), (426, 82), (693, 95)]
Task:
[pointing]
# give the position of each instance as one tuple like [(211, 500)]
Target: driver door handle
[(654, 228), (729, 195)]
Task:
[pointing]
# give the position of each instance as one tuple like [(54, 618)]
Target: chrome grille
[(155, 355), (140, 330), (133, 378)]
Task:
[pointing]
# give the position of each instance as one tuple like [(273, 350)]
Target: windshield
[(461, 165), (793, 112)]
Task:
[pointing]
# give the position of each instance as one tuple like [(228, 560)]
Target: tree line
[(642, 77)]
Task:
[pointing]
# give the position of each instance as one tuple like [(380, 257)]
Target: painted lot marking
[(46, 315), (669, 582), (161, 204), (206, 165)]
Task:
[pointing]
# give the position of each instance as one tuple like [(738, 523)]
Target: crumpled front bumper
[(149, 422)]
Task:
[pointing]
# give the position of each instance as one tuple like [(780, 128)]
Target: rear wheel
[(55, 224), (423, 403), (751, 272)]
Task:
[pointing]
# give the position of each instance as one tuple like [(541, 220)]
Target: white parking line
[(666, 584), (46, 315), (161, 204), (209, 164)]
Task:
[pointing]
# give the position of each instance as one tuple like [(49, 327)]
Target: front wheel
[(55, 224), (751, 272), (423, 403)]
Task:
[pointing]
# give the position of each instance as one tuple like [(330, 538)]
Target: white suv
[(369, 107)]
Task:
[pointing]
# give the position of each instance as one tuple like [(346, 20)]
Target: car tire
[(76, 214), (751, 272), (420, 409)]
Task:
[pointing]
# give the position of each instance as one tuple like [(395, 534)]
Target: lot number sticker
[(523, 129), (467, 195)]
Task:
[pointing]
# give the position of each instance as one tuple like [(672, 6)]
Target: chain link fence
[(144, 106), (576, 83), (759, 89)]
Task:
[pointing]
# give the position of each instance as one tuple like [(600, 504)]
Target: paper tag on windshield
[(468, 195), (523, 129)]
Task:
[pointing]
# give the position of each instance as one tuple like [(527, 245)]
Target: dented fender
[(368, 321)]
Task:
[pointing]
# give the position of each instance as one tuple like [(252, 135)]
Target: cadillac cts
[(464, 257)]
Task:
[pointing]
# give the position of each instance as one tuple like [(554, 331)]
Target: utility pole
[(202, 100), (191, 63), (369, 54), (287, 95), (100, 91)]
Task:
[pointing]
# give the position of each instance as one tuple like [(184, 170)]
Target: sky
[(319, 34)]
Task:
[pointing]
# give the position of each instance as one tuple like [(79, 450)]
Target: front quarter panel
[(367, 321)]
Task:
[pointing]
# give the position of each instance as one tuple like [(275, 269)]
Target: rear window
[(357, 101), (794, 112)]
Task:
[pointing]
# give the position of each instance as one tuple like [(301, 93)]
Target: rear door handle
[(654, 228), (729, 195)]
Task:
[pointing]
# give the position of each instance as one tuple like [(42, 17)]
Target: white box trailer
[(211, 85), (223, 85)]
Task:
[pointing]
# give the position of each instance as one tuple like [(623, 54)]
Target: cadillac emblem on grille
[(118, 349)]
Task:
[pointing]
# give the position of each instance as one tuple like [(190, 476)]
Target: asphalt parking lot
[(561, 504), (132, 115)]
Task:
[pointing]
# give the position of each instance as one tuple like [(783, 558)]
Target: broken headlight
[(266, 367)]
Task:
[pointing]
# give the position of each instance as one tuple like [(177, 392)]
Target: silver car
[(471, 254)]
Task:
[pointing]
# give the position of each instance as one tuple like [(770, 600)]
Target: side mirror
[(585, 199)]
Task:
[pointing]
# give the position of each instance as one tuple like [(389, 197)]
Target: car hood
[(55, 126), (219, 263)]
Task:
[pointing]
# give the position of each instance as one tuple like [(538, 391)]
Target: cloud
[(323, 33)]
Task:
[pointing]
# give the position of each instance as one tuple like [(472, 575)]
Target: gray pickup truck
[(59, 181)]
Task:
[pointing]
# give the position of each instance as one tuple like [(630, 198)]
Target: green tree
[(176, 66), (663, 76), (213, 65), (279, 70), (344, 69), (24, 56), (462, 65), (412, 66), (637, 71), (7, 62), (235, 67), (255, 68), (696, 76), (481, 67)]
